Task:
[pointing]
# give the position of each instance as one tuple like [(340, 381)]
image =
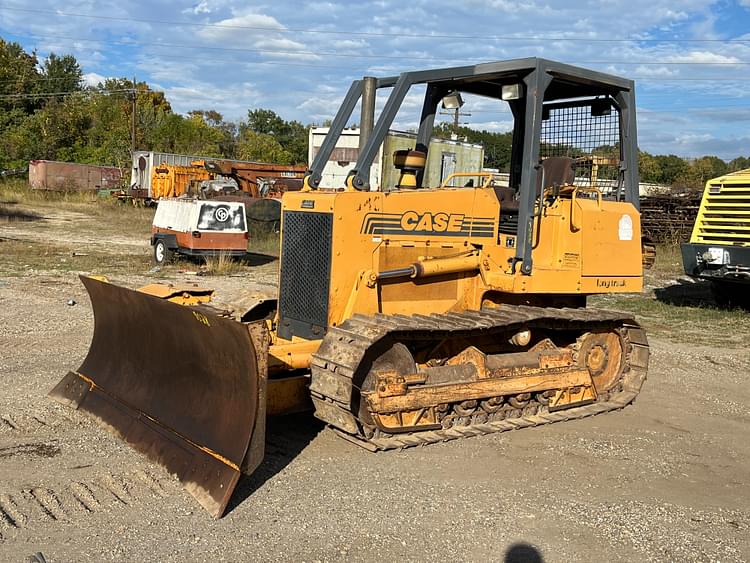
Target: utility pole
[(132, 121), (456, 114)]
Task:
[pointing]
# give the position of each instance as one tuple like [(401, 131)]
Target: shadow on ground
[(686, 294), (703, 294), (286, 437), (523, 553), (257, 259), (10, 214)]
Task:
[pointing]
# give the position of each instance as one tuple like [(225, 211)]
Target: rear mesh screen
[(305, 274), (587, 131)]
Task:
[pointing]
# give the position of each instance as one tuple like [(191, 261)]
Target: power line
[(377, 34), (29, 95), (40, 79), (347, 55), (234, 49), (96, 92)]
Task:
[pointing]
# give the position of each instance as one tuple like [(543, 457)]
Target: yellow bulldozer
[(410, 314)]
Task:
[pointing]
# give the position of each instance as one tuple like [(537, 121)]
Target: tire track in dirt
[(48, 502), (12, 517), (68, 503), (7, 424)]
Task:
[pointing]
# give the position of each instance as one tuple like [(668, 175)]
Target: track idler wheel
[(602, 354)]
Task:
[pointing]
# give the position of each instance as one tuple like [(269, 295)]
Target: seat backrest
[(556, 171)]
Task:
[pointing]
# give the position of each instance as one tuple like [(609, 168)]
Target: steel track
[(344, 348)]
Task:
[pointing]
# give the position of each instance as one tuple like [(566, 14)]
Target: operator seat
[(555, 171)]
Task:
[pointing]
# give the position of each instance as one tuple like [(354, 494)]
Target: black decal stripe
[(379, 219), (372, 227), (474, 233), (475, 224)]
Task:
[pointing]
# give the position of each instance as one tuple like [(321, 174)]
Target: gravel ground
[(666, 479)]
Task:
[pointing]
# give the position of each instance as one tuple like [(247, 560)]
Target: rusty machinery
[(259, 179), (407, 316), (261, 186)]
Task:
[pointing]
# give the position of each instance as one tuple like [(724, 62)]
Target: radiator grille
[(508, 222), (724, 215), (305, 274)]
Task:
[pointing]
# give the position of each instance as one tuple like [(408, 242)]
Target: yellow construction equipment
[(719, 247), (409, 315), (170, 180)]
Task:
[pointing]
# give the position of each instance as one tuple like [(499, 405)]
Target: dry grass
[(222, 265), (265, 244), (21, 257), (18, 203), (123, 218), (699, 324), (17, 191), (668, 260)]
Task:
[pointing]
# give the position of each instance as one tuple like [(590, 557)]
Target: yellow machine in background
[(170, 180), (411, 316), (719, 247)]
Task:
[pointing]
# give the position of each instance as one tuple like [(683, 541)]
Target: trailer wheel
[(162, 253)]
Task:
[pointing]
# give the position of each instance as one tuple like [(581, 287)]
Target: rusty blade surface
[(178, 385)]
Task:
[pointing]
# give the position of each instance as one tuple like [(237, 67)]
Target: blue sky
[(690, 58)]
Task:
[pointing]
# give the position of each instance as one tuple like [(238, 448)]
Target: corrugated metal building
[(72, 177), (445, 157)]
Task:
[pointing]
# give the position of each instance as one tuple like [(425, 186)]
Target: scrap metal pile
[(669, 218)]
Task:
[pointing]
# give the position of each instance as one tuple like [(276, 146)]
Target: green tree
[(61, 74), (672, 167), (700, 170), (291, 135), (262, 147), (227, 131), (648, 168), (739, 163), (19, 79)]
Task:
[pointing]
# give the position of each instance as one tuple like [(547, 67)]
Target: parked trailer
[(72, 177), (194, 227)]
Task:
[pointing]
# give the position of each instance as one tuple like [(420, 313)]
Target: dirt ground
[(667, 479)]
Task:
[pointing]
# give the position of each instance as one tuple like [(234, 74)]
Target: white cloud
[(252, 25), (93, 79), (656, 71), (256, 32), (699, 57), (202, 7)]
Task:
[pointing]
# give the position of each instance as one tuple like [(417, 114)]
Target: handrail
[(487, 183), (590, 189)]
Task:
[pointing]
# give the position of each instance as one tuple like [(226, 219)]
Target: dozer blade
[(185, 388)]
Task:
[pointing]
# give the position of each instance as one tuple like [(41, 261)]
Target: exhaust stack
[(367, 119)]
